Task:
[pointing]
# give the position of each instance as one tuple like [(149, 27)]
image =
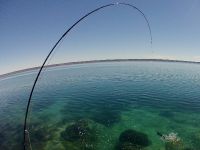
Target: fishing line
[(32, 104), (55, 46)]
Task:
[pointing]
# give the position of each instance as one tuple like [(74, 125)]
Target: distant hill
[(96, 61)]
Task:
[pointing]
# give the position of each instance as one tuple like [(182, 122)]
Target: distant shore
[(96, 61)]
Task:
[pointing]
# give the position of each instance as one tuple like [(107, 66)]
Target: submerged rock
[(132, 140), (76, 131), (172, 141), (135, 137), (79, 135), (128, 146)]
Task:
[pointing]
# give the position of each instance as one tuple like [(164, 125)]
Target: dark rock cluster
[(79, 135), (132, 140)]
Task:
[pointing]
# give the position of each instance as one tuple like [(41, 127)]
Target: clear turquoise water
[(148, 97)]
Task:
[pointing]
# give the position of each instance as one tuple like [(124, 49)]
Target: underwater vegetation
[(40, 135), (79, 135), (174, 146), (107, 118), (6, 142), (167, 114), (2, 141), (132, 140), (100, 114), (195, 139)]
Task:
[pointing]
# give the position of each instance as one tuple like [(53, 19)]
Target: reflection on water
[(105, 106)]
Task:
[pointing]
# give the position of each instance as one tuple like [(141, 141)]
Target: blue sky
[(29, 29)]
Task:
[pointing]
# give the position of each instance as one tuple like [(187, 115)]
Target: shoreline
[(94, 61)]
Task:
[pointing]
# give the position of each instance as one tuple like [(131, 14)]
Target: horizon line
[(95, 61)]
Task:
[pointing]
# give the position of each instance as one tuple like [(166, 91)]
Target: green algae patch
[(40, 135), (107, 118)]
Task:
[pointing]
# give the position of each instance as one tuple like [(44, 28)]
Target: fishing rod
[(26, 132)]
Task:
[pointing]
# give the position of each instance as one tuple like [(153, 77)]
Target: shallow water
[(105, 98)]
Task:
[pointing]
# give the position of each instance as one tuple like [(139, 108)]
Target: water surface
[(105, 99)]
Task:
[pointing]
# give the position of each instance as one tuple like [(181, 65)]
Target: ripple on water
[(113, 96)]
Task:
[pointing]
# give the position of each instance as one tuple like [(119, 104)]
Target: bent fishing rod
[(26, 132)]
